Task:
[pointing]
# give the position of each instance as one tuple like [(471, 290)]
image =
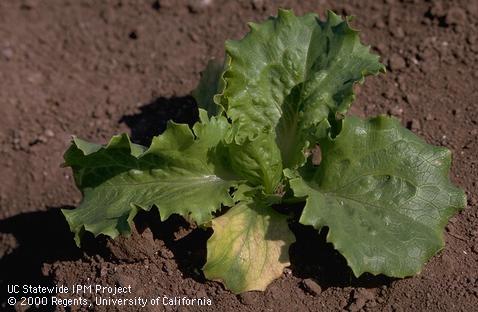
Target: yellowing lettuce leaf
[(249, 247)]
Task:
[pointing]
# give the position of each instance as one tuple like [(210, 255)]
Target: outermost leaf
[(182, 172), (249, 247), (289, 75), (210, 84), (384, 194)]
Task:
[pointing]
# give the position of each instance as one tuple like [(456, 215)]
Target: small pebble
[(103, 271), (198, 6), (312, 287), (397, 62), (398, 32), (49, 133), (396, 111), (411, 98)]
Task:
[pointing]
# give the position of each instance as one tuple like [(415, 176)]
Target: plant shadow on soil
[(310, 256), (153, 117), (41, 237)]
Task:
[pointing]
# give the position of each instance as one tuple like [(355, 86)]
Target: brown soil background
[(97, 68)]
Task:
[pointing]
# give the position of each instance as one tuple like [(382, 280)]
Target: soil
[(97, 68)]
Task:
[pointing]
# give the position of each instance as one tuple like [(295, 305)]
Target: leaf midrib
[(186, 180), (365, 204)]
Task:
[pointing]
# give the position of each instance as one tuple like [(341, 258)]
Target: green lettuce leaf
[(384, 194), (289, 75), (182, 172), (257, 161), (210, 84), (249, 247)]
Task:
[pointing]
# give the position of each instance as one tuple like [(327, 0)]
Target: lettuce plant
[(382, 192)]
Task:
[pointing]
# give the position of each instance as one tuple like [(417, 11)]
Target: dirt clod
[(456, 16), (398, 32), (364, 293), (361, 297), (124, 280), (122, 249), (397, 62), (248, 298), (396, 111), (412, 99), (103, 270), (413, 125), (312, 287)]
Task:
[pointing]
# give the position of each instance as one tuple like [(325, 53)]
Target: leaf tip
[(253, 26), (285, 13)]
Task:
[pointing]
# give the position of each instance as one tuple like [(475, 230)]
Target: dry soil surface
[(97, 68)]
